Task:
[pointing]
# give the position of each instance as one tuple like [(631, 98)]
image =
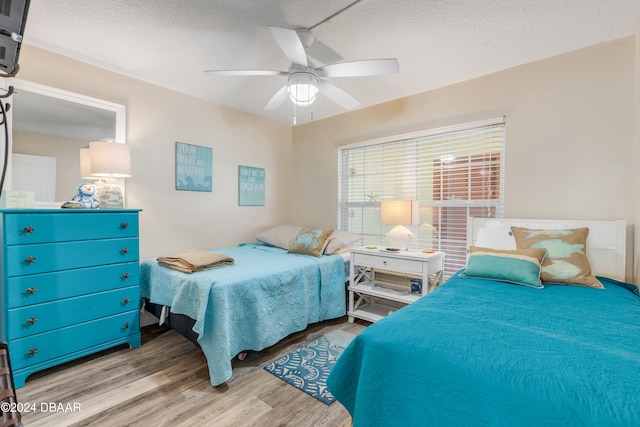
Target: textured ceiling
[(437, 42)]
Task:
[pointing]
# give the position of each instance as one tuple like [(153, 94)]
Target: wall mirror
[(48, 127)]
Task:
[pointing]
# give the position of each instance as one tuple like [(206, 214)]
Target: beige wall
[(569, 138), (156, 118), (570, 144), (636, 156)]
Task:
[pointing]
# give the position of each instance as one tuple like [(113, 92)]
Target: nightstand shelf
[(374, 311), (385, 291), (371, 298)]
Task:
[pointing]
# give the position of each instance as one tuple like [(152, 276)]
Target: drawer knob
[(32, 321), (33, 351), (124, 251), (32, 290), (30, 260), (124, 226), (125, 300), (28, 230), (384, 262), (124, 276), (125, 325)]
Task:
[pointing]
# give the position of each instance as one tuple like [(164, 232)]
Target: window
[(454, 173)]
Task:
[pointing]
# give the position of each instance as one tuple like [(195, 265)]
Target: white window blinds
[(453, 172)]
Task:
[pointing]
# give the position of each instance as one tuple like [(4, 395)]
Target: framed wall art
[(193, 167), (250, 186)]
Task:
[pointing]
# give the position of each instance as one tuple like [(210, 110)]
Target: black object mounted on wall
[(13, 18)]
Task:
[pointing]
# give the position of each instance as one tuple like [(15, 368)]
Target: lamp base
[(400, 237), (111, 196), (98, 184)]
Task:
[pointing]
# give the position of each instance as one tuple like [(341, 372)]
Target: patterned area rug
[(308, 367)]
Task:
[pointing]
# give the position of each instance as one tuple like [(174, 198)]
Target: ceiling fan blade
[(323, 53), (278, 99), (245, 73), (290, 44), (366, 67), (337, 95), (316, 49)]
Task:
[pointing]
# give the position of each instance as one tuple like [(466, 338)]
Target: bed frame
[(609, 244), (178, 322)]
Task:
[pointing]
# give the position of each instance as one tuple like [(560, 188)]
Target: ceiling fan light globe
[(303, 88)]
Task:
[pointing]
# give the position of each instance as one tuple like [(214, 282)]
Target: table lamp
[(85, 170), (110, 160), (400, 213)]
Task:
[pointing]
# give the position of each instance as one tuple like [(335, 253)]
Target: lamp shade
[(399, 212), (110, 159)]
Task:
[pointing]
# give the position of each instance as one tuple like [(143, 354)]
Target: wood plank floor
[(165, 382)]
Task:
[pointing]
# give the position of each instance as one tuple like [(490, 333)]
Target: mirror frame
[(24, 85)]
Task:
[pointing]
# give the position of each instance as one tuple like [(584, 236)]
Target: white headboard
[(607, 244)]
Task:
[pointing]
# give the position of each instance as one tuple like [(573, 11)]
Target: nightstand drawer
[(389, 263), (39, 318), (46, 287), (23, 229), (42, 258), (66, 341)]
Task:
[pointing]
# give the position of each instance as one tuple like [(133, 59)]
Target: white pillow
[(280, 236), (340, 240), (496, 236)]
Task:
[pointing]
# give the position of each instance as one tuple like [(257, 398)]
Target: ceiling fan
[(304, 80)]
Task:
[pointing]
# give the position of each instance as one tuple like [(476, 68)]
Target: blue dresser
[(70, 284)]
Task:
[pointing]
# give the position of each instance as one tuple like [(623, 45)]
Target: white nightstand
[(372, 298)]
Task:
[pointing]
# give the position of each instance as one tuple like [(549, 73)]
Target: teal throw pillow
[(521, 267)]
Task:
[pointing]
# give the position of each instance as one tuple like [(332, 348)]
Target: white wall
[(156, 118), (570, 136)]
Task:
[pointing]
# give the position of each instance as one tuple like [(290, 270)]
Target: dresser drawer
[(35, 319), (45, 257), (388, 263), (45, 287), (27, 228), (66, 341)]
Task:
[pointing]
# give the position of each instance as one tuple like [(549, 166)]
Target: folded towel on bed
[(194, 260)]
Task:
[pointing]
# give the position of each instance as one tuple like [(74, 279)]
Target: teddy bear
[(86, 196)]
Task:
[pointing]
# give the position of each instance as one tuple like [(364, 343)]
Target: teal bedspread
[(484, 353), (264, 296)]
